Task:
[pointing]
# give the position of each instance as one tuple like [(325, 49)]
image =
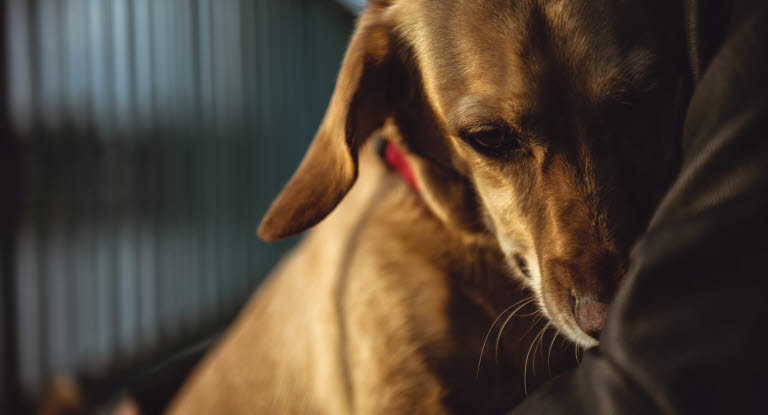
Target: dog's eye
[(492, 139)]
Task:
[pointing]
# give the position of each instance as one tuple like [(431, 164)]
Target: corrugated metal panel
[(354, 5), (8, 193), (153, 135)]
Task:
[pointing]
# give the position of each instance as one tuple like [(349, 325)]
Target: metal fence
[(151, 136)]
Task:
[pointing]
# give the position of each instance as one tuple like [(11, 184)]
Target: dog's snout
[(590, 315)]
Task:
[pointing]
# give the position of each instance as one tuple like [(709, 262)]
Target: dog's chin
[(577, 336), (566, 325)]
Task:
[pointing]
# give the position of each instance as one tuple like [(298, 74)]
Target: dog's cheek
[(449, 196), (554, 300), (511, 225)]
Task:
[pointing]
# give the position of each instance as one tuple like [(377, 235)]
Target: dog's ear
[(371, 82), (448, 193)]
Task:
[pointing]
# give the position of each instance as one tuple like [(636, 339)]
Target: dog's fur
[(380, 309), (536, 131)]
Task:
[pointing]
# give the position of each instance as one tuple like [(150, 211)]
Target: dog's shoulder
[(341, 321)]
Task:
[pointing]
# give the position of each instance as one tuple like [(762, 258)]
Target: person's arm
[(688, 330)]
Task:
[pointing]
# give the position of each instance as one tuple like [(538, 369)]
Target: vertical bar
[(166, 301), (7, 375), (98, 106), (69, 204), (134, 165), (38, 174), (174, 149), (197, 161), (99, 83), (142, 65), (80, 55), (126, 277), (121, 64), (10, 189), (49, 52), (27, 279), (212, 163), (251, 121), (145, 183), (243, 212), (205, 85), (113, 180), (58, 290), (185, 95), (83, 266), (125, 222), (18, 70), (240, 162), (76, 58), (266, 163), (224, 87)]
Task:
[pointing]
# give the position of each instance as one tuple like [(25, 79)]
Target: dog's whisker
[(525, 364), (540, 337), (485, 341), (490, 329), (576, 353), (549, 354), (498, 336), (524, 300), (538, 318)]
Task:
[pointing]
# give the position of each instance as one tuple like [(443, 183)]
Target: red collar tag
[(395, 157)]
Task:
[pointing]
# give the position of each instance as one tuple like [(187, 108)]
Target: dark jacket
[(686, 333)]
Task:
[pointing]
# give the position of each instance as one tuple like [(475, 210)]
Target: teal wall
[(153, 135)]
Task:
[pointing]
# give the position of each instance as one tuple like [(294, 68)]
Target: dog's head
[(540, 122)]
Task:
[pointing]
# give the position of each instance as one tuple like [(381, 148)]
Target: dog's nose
[(590, 315)]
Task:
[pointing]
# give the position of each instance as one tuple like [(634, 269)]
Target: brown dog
[(536, 132), (380, 309)]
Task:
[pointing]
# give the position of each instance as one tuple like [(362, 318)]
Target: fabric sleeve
[(686, 333)]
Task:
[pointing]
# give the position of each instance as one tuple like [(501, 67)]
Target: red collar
[(396, 159)]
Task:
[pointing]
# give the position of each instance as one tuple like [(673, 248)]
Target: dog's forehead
[(483, 57)]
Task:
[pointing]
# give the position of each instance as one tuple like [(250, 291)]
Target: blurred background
[(140, 143)]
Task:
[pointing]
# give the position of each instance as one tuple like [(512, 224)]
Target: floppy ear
[(371, 82), (447, 192)]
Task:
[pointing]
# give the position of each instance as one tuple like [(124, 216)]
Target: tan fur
[(363, 318), (384, 307)]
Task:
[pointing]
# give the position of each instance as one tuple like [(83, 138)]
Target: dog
[(528, 142), (380, 309)]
